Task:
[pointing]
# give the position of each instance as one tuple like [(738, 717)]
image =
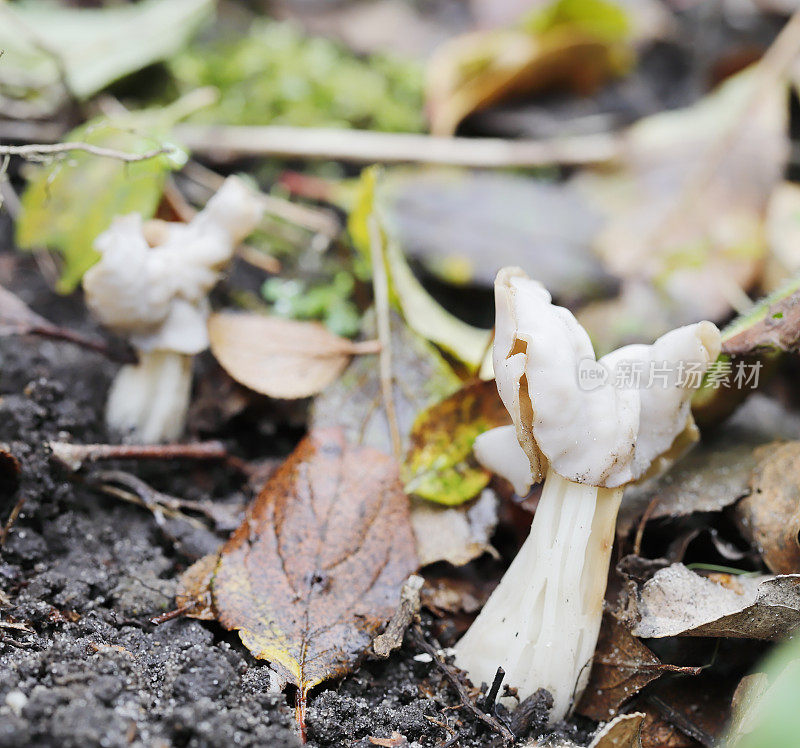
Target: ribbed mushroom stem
[(542, 621), (148, 401)]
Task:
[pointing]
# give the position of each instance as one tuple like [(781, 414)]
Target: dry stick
[(364, 146), (319, 220), (5, 530), (75, 455), (772, 67), (42, 150), (495, 724), (380, 286)]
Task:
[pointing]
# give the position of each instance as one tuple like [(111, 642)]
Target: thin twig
[(495, 724), (75, 456), (364, 146), (5, 530), (682, 722), (380, 285), (39, 151)]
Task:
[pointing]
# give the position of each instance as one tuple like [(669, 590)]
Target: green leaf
[(67, 204), (439, 465), (600, 18), (95, 47), (421, 311)]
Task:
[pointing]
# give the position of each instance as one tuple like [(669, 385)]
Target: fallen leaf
[(316, 568), (408, 611), (745, 706), (421, 311), (396, 740), (421, 378), (55, 211), (281, 358), (90, 47), (439, 465), (716, 473), (622, 667), (770, 515), (623, 731), (678, 602), (570, 44), (454, 534), (681, 258), (442, 217)]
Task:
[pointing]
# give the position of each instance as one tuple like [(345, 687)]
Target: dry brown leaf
[(278, 357), (678, 602), (622, 732), (479, 69), (454, 534), (622, 667), (316, 568), (770, 515)]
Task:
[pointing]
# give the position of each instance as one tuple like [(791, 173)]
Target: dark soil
[(81, 574)]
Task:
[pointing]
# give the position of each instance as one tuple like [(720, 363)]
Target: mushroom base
[(542, 621), (148, 401)]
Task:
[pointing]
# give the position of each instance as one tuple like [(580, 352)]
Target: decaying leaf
[(623, 731), (678, 602), (421, 311), (454, 534), (421, 378), (717, 471), (282, 358), (684, 256), (572, 44), (442, 217), (55, 211), (622, 667), (316, 568), (90, 47), (439, 464), (770, 515)]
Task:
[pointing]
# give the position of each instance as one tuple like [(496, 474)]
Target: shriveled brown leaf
[(479, 69), (770, 515), (622, 732), (316, 568), (678, 602), (717, 471), (454, 534), (439, 465), (278, 357), (622, 667)]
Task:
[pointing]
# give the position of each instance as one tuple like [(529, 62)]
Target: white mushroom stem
[(541, 622), (150, 399)]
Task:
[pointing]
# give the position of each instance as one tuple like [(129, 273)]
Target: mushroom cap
[(572, 411), (157, 296)]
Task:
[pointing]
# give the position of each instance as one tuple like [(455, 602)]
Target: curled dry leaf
[(770, 515), (281, 358), (622, 667), (316, 568), (678, 602), (439, 465), (559, 48), (622, 732)]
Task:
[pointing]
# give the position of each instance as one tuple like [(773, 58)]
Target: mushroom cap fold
[(157, 296), (577, 413)]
